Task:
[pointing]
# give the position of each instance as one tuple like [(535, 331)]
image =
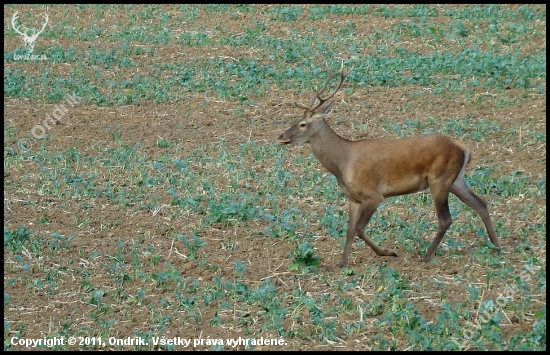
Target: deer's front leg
[(353, 214), (360, 214)]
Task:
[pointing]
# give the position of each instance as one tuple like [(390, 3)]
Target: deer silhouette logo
[(29, 39)]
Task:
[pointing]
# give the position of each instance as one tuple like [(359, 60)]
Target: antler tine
[(345, 72), (13, 18), (343, 75), (330, 75), (47, 18), (308, 107), (44, 25), (301, 106)]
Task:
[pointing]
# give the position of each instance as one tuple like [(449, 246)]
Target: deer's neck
[(330, 149)]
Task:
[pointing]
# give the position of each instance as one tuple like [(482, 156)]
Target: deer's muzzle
[(282, 140)]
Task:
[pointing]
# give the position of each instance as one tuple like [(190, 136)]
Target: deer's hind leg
[(463, 192), (441, 199)]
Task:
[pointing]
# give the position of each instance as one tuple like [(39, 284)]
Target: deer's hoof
[(342, 265), (390, 252)]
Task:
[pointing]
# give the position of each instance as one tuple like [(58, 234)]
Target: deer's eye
[(302, 125)]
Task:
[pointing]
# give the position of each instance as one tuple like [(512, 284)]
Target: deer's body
[(369, 170), (388, 167)]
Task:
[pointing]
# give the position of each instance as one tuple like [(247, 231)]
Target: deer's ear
[(329, 107), (324, 108)]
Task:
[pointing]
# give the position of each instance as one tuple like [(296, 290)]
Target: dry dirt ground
[(209, 120)]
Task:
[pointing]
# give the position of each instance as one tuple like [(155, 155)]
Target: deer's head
[(314, 113)]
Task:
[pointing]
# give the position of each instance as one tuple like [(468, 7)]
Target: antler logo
[(29, 40)]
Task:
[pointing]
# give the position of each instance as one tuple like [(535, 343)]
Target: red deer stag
[(369, 170)]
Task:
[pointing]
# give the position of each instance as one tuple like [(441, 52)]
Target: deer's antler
[(24, 34), (13, 18), (43, 26), (311, 107)]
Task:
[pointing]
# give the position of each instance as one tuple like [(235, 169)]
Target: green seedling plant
[(304, 259), (193, 244)]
